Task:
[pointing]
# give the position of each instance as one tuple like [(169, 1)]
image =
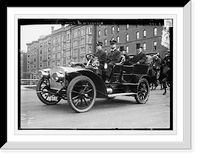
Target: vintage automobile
[(80, 84)]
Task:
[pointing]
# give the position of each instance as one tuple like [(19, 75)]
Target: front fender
[(99, 83)]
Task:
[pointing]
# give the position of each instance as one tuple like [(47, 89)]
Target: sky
[(31, 33)]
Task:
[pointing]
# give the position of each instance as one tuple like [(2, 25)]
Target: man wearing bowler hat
[(113, 57), (140, 57)]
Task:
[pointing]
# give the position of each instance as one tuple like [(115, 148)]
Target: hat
[(140, 47), (112, 42), (99, 43), (122, 49)]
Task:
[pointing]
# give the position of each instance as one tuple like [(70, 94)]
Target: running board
[(121, 94)]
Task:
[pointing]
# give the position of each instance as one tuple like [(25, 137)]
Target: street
[(121, 112)]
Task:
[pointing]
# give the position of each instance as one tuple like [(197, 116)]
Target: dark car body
[(81, 85)]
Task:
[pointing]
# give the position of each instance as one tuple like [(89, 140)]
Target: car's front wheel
[(45, 94), (142, 91), (81, 94)]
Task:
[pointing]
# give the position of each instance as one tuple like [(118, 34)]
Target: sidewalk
[(28, 87)]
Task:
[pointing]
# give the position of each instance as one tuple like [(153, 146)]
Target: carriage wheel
[(142, 91), (81, 94), (44, 93)]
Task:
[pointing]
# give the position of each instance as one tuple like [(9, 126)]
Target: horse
[(165, 74)]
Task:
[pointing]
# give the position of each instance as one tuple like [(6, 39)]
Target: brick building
[(23, 65), (73, 42), (130, 37), (82, 42), (32, 59)]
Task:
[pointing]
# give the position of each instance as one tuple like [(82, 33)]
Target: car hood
[(66, 69)]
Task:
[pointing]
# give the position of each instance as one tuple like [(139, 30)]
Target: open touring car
[(81, 84)]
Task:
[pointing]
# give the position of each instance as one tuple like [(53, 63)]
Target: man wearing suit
[(113, 57), (140, 57), (100, 54), (101, 57)]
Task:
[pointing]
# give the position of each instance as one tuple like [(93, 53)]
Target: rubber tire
[(69, 90), (41, 97), (139, 101)]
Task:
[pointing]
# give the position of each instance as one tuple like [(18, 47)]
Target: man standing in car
[(113, 57)]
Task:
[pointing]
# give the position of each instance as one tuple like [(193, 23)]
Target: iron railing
[(29, 81)]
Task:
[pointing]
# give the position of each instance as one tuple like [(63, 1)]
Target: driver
[(100, 54)]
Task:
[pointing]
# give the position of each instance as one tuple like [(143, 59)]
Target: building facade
[(73, 42), (81, 42), (23, 65), (68, 43), (130, 37), (32, 59)]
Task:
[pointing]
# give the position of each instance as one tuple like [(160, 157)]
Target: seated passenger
[(124, 57), (140, 57)]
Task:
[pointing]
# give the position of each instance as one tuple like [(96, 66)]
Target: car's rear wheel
[(45, 94), (142, 91), (81, 94)]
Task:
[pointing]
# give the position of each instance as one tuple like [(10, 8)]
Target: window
[(99, 33), (105, 42), (58, 55), (127, 49), (144, 46), (68, 36), (75, 34), (79, 32), (89, 49), (127, 26), (53, 56), (144, 33), (155, 45), (105, 32), (89, 39), (112, 38), (82, 32), (89, 30), (117, 28), (59, 47), (58, 62), (82, 49), (155, 31), (112, 29), (64, 38), (127, 37), (75, 43), (137, 35), (54, 48), (117, 39)]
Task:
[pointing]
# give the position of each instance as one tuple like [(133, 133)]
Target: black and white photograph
[(99, 78), (87, 74)]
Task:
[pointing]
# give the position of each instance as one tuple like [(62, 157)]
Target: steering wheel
[(89, 56)]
